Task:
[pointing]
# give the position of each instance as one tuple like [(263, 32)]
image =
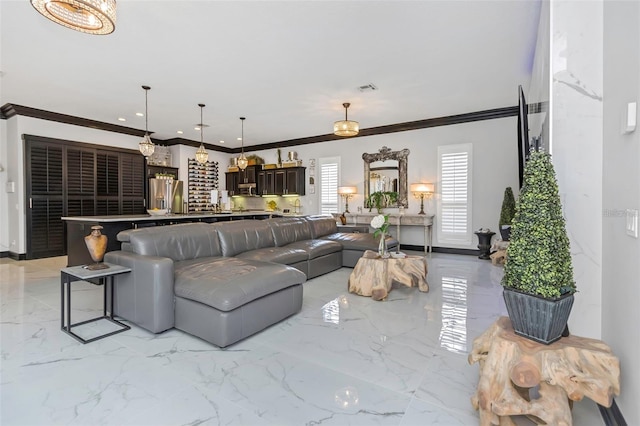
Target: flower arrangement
[(380, 223)]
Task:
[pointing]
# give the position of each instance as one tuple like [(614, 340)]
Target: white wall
[(621, 191), (576, 146), (494, 156), (494, 166)]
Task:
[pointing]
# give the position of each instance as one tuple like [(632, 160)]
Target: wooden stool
[(511, 365)]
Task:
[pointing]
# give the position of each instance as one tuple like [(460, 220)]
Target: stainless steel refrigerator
[(166, 194)]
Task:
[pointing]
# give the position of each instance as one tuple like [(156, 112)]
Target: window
[(329, 178), (454, 175)]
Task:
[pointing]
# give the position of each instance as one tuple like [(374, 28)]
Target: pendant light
[(87, 16), (145, 146), (346, 127), (242, 160), (201, 154)]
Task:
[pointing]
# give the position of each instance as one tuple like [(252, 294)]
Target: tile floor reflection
[(344, 359)]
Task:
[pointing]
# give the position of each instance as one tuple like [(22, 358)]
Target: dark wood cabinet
[(231, 182), (294, 181), (266, 182), (66, 178), (284, 181)]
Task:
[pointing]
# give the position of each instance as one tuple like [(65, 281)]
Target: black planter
[(536, 318), (505, 232)]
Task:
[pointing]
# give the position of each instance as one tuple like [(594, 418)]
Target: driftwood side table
[(512, 368)]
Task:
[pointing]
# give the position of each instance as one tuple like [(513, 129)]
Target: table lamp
[(420, 192), (347, 192)]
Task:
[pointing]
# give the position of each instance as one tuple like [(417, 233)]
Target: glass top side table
[(102, 277)]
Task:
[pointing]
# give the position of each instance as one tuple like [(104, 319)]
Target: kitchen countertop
[(147, 217)]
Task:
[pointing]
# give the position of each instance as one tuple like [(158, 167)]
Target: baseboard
[(612, 416), (17, 256), (4, 254), (447, 250)]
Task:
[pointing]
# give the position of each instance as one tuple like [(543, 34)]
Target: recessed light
[(239, 139), (122, 119), (180, 132), (139, 114), (196, 128), (221, 141)]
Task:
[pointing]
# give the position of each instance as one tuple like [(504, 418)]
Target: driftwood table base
[(512, 368), (374, 276)]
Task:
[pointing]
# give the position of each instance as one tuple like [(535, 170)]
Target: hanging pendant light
[(242, 160), (346, 127), (87, 16), (146, 146), (201, 154)]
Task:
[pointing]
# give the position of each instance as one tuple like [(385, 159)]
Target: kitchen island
[(80, 226)]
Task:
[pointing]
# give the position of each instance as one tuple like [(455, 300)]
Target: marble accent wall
[(577, 145)]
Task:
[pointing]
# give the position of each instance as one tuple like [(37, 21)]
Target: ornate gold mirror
[(384, 172)]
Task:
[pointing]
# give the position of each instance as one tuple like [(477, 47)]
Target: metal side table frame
[(98, 277)]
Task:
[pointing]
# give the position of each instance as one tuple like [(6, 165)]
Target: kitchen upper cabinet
[(294, 181)]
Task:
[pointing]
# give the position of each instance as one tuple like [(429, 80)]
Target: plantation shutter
[(328, 185), (455, 193)]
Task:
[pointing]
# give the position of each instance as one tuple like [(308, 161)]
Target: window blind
[(328, 187), (455, 194)]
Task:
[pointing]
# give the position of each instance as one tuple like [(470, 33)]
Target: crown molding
[(10, 110)]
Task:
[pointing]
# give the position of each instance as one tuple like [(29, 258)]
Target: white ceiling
[(286, 65)]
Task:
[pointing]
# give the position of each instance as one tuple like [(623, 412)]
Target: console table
[(512, 368), (399, 220)]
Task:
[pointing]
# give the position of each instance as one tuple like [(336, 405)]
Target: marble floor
[(343, 360)]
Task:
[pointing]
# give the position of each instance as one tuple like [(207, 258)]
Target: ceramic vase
[(97, 246)]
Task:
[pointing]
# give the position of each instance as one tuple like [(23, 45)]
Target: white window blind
[(454, 168), (329, 176)]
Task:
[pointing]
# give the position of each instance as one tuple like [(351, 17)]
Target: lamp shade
[(347, 190), (346, 127), (422, 187)]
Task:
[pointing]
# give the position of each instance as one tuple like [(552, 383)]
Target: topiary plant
[(507, 211), (538, 258)]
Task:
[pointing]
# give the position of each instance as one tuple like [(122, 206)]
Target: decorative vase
[(97, 246), (343, 219), (382, 246), (536, 318)]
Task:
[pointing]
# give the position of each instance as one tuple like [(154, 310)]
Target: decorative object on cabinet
[(146, 146), (203, 178), (96, 17), (242, 160), (201, 154), (347, 192), (381, 177), (421, 191), (346, 127)]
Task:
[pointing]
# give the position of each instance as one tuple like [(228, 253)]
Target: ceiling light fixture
[(145, 146), (346, 127), (242, 160), (87, 16), (201, 154)]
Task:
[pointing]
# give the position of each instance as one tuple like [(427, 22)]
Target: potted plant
[(538, 275), (381, 199), (507, 212)]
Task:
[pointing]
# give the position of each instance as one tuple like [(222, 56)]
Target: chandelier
[(242, 160), (346, 127), (145, 146), (201, 154), (87, 16)]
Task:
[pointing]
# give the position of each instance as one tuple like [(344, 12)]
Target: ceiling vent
[(368, 88)]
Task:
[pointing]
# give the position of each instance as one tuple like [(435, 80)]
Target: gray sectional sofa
[(226, 281)]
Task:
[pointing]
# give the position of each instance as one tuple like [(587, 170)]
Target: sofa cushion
[(177, 242), (287, 230), (316, 248), (359, 241), (227, 283), (322, 225), (239, 236), (285, 255)]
